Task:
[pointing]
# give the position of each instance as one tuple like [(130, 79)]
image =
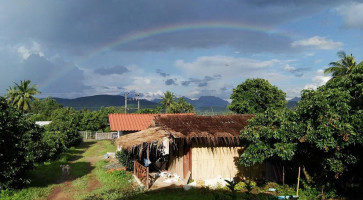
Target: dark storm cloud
[(298, 72), (113, 70), (79, 25), (170, 82), (162, 73), (44, 73), (201, 82)]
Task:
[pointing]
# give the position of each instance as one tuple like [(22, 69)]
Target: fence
[(142, 173), (92, 135)]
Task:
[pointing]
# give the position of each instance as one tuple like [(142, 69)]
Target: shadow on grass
[(86, 144), (199, 193), (51, 173)]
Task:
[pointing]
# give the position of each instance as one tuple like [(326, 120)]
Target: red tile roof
[(133, 122)]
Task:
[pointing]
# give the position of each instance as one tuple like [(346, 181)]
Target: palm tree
[(342, 67), (21, 95), (184, 106), (167, 100)]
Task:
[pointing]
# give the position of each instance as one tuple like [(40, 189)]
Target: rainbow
[(148, 33)]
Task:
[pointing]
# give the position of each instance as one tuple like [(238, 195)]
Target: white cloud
[(35, 49), (153, 95), (352, 14), (317, 42), (231, 70), (318, 61), (318, 80), (223, 65), (147, 81), (289, 68)]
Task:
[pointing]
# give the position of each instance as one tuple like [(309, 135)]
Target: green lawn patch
[(115, 185), (100, 148)]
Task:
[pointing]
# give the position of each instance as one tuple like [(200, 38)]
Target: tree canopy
[(21, 95), (171, 106), (324, 135), (43, 108), (344, 66), (256, 96), (20, 146)]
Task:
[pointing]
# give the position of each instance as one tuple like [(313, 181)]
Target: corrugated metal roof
[(133, 122), (42, 123)]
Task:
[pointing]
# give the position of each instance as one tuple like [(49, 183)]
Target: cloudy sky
[(191, 47)]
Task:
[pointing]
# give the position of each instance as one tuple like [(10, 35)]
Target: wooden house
[(205, 146)]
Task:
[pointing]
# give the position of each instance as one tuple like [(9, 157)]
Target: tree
[(167, 100), (324, 135), (181, 106), (20, 146), (42, 109), (66, 123), (255, 96), (149, 110), (342, 67), (21, 95), (171, 106)]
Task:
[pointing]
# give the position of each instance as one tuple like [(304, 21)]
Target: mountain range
[(203, 103), (98, 101)]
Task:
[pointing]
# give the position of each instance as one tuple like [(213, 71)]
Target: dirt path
[(58, 193), (66, 190)]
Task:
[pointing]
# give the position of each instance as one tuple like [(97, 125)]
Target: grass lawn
[(85, 167)]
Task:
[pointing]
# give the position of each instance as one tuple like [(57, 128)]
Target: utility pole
[(126, 102), (138, 102)]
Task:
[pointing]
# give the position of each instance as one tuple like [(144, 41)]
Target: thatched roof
[(210, 130)]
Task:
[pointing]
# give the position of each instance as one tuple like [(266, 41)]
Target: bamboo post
[(135, 166), (298, 180), (283, 174), (147, 168)]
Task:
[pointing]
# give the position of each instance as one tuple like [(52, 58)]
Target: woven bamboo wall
[(221, 161), (176, 161)]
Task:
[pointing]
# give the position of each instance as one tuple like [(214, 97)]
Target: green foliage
[(240, 186), (250, 185), (344, 66), (171, 106), (20, 146), (270, 135), (324, 134), (66, 122), (231, 185), (256, 96), (149, 110), (54, 144), (96, 120), (125, 159), (42, 109), (21, 95)]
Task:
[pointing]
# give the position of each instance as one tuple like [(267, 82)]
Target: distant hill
[(204, 102), (98, 101), (293, 102)]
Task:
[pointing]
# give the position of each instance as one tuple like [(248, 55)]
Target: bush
[(240, 186), (66, 121), (125, 159), (55, 144)]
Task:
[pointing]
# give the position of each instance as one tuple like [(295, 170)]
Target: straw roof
[(210, 130)]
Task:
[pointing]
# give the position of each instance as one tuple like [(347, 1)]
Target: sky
[(192, 47)]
